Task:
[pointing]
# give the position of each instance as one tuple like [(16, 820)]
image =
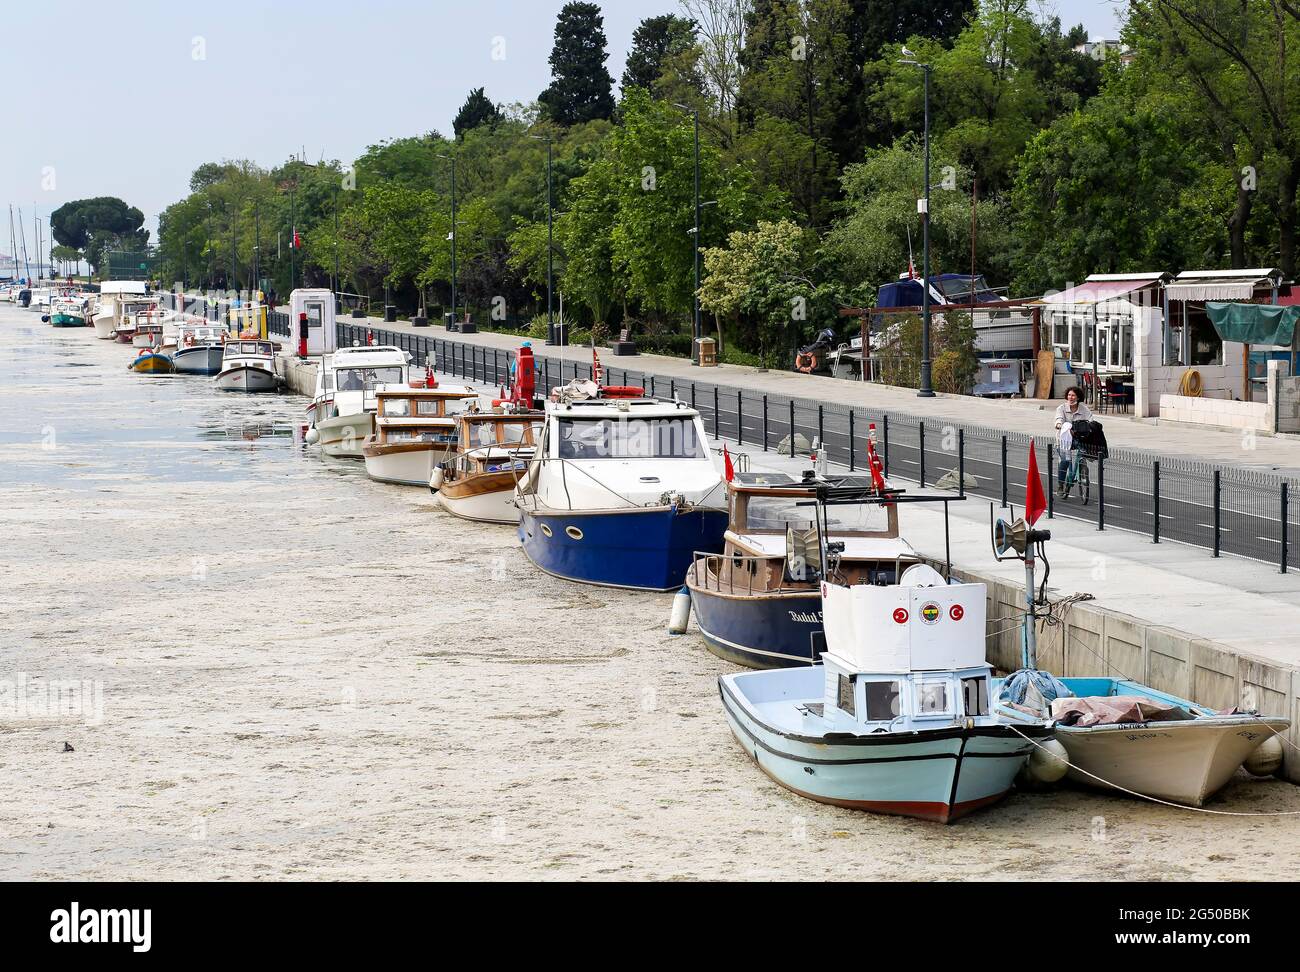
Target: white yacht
[(248, 366), (342, 412)]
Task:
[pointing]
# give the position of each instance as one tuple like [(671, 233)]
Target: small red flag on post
[(1035, 501), (726, 461)]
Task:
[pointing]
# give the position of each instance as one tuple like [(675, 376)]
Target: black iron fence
[(1224, 509)]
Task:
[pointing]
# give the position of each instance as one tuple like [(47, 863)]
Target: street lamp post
[(695, 232), (926, 390), (454, 234), (551, 336)]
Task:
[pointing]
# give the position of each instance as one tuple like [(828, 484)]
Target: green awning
[(1254, 323)]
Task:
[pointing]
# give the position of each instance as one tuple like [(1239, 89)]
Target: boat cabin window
[(428, 407), (512, 434), (845, 700), (777, 512), (397, 407), (975, 696), (485, 433), (932, 699), (883, 701), (246, 347), (441, 436), (660, 438), (359, 379)]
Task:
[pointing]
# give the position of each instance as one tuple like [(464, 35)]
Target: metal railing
[(1222, 508)]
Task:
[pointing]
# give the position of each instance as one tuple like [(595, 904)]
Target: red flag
[(1035, 501), (873, 460), (726, 461), (297, 240)]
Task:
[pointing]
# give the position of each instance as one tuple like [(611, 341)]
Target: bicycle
[(1077, 477)]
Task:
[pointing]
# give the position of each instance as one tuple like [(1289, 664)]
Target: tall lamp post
[(695, 232), (926, 390), (551, 336), (452, 160)]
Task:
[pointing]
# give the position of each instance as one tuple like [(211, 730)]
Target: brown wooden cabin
[(486, 439), (762, 505)]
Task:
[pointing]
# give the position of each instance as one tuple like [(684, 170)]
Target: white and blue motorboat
[(896, 718), (749, 606), (200, 348), (622, 490)]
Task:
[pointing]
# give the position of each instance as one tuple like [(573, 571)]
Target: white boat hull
[(201, 360), (242, 378), (343, 436), (405, 468), (498, 507), (1185, 762), (105, 328)]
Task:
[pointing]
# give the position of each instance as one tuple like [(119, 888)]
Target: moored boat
[(342, 412), (750, 607), (622, 491), (414, 433), (248, 366), (896, 718), (493, 449), (150, 362), (69, 311), (200, 348)]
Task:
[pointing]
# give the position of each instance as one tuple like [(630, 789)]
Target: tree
[(760, 279), (871, 241), (655, 42), (477, 110), (721, 26), (581, 86), (99, 224)]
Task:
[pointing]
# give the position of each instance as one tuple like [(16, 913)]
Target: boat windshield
[(359, 379), (659, 438), (777, 512)]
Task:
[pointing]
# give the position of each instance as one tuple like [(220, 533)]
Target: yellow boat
[(151, 363)]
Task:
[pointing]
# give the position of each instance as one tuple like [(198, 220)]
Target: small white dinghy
[(248, 366)]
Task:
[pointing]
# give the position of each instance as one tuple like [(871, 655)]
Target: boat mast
[(26, 262)]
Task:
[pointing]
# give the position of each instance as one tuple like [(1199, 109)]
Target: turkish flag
[(1035, 501), (726, 461)]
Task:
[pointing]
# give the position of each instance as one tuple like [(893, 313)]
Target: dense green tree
[(477, 110), (656, 42), (581, 87), (97, 225)]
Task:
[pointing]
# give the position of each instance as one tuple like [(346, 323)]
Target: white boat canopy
[(1222, 284)]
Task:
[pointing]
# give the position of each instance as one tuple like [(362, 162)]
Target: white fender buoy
[(1266, 759), (313, 436), (681, 614), (1048, 763), (437, 479)]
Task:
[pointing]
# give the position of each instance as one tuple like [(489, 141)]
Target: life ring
[(805, 362), (622, 391), (189, 340)]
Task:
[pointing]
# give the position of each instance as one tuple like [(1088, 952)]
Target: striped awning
[(1096, 291), (1212, 288)]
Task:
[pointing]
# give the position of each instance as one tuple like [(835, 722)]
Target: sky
[(128, 98)]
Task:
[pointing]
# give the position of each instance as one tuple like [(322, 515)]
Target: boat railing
[(707, 572)]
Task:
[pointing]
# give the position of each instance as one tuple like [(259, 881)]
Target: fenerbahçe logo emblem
[(930, 614)]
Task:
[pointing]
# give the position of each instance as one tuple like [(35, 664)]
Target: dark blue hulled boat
[(622, 492), (750, 607)]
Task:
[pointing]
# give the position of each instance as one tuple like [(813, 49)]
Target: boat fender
[(313, 436), (1047, 763), (1266, 760), (681, 613), (437, 479)]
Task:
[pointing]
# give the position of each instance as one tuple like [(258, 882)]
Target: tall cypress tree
[(477, 110), (654, 41), (581, 86)]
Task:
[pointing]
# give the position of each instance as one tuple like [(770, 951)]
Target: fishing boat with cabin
[(493, 450), (896, 718), (248, 366), (342, 411), (751, 606), (200, 348), (622, 490), (415, 431)]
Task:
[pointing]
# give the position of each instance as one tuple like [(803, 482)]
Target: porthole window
[(546, 531), (573, 532)]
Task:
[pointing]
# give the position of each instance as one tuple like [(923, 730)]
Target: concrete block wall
[(1217, 412)]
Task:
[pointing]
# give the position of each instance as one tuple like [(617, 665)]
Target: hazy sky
[(127, 98)]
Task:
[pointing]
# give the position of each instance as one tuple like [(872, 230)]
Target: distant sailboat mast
[(23, 234)]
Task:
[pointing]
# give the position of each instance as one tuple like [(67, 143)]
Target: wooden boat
[(493, 449), (622, 491), (896, 717), (150, 362), (414, 432), (248, 366), (148, 332), (750, 608), (1184, 756)]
